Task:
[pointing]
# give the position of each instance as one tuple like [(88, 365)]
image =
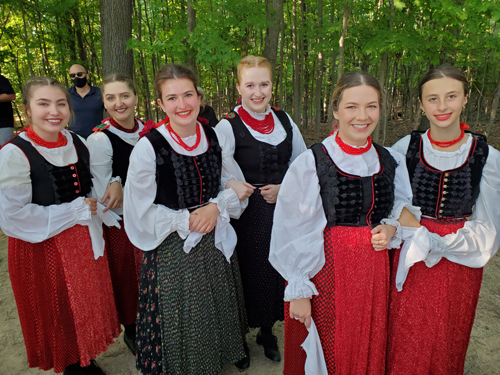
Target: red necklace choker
[(446, 144), (113, 122), (179, 140), (61, 139), (348, 149), (265, 126)]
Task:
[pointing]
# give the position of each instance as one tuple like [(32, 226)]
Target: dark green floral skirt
[(191, 316)]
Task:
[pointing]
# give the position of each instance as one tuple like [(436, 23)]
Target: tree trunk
[(341, 41), (191, 24), (494, 107), (319, 77), (144, 72), (296, 76), (82, 53), (28, 55), (274, 14), (383, 69), (116, 30)]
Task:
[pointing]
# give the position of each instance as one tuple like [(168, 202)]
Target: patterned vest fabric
[(352, 200), (446, 195), (261, 162), (186, 181), (121, 155), (55, 185)]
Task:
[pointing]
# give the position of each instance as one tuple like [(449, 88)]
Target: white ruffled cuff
[(180, 224), (397, 239), (81, 210), (115, 179), (299, 287), (225, 236)]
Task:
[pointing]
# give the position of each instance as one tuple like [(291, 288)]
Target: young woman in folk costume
[(263, 141), (60, 279), (110, 147), (454, 176), (191, 310), (335, 218)]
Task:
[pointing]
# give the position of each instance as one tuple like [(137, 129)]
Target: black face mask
[(79, 82)]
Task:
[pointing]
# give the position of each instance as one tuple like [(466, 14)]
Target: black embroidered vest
[(55, 185), (121, 155), (260, 162), (352, 200), (446, 195), (186, 181)]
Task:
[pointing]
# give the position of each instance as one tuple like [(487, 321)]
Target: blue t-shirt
[(88, 111)]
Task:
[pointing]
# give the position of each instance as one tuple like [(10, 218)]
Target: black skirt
[(263, 286), (190, 313)]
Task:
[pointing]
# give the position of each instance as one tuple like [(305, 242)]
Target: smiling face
[(181, 102), (120, 101), (48, 111), (255, 88), (358, 114), (442, 100)]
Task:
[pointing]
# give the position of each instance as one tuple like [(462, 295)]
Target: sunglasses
[(79, 75)]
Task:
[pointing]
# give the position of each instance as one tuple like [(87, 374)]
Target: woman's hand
[(92, 202), (114, 193), (243, 189), (301, 309), (204, 219), (270, 193), (381, 235)]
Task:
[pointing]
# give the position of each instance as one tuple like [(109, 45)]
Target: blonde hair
[(252, 61)]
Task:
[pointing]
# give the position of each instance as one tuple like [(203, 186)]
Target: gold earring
[(464, 106), (423, 112)]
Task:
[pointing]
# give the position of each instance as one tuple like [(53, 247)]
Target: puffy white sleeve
[(227, 142), (478, 241), (148, 224), (101, 161), (297, 246), (402, 199), (19, 218), (298, 145)]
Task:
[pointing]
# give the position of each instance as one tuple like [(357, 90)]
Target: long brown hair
[(173, 71)]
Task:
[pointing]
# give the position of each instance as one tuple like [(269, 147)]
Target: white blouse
[(297, 245), (148, 224), (101, 159), (226, 137), (475, 243), (19, 218)]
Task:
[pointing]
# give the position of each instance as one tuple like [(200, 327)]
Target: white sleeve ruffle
[(297, 245)]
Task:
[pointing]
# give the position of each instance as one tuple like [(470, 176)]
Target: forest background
[(309, 44)]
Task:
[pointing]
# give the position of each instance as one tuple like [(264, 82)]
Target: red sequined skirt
[(125, 262), (431, 319), (64, 299), (350, 311)]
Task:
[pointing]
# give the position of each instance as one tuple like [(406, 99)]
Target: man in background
[(86, 100), (7, 96)]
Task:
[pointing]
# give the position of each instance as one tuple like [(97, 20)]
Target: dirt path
[(483, 356)]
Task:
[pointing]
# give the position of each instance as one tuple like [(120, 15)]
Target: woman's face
[(358, 114), (49, 112), (255, 88), (120, 101), (180, 101), (442, 100)]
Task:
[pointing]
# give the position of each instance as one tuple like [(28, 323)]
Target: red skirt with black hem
[(125, 262), (350, 311), (64, 299), (430, 320)]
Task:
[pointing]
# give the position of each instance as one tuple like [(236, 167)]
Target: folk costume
[(60, 279), (330, 199), (110, 147), (262, 145), (431, 319), (191, 315)]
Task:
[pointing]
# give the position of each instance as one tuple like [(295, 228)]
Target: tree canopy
[(397, 41)]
